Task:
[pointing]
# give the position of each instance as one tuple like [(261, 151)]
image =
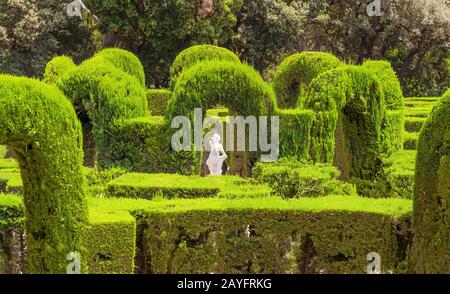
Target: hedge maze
[(361, 169)]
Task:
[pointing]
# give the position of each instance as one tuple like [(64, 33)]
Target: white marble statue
[(216, 156)]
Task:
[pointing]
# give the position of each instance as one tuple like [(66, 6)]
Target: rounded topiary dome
[(194, 54), (296, 72), (57, 67)]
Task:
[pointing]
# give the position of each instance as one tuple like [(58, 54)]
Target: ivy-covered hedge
[(56, 67), (40, 125), (308, 235), (295, 136), (108, 95), (157, 100), (431, 219), (290, 178), (192, 55), (207, 84), (296, 72), (349, 107)]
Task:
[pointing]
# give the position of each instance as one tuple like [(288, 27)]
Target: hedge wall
[(349, 107), (56, 67), (109, 96), (295, 135), (207, 84), (309, 235), (431, 219), (157, 100), (39, 124), (296, 72), (192, 55)]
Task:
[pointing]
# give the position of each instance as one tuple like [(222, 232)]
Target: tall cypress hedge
[(296, 72), (190, 56), (39, 124), (109, 96), (431, 217), (349, 106)]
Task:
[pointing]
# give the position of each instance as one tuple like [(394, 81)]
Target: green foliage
[(309, 235), (349, 106), (431, 193), (399, 171), (157, 100), (414, 124), (97, 180), (192, 55), (393, 95), (410, 141), (149, 186), (295, 126), (393, 128), (2, 151), (143, 145), (41, 127), (293, 179), (108, 95), (206, 84), (296, 72), (57, 67), (124, 60)]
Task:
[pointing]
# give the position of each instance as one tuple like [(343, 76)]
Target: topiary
[(157, 100), (431, 218), (57, 67), (39, 124), (393, 95), (108, 95), (124, 60), (236, 86), (349, 107), (194, 54), (296, 72)]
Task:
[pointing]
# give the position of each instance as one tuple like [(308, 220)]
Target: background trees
[(413, 34)]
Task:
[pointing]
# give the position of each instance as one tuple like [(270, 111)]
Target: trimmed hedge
[(207, 84), (295, 135), (410, 141), (309, 235), (393, 95), (149, 186), (414, 124), (347, 131), (399, 172), (192, 55), (56, 67), (39, 124), (109, 96), (296, 72), (157, 100), (431, 219), (292, 179), (393, 129), (123, 60)]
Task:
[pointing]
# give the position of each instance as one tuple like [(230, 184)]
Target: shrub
[(393, 129), (56, 67), (292, 179), (432, 193), (410, 141), (149, 186), (347, 130), (295, 126), (207, 84), (109, 96), (309, 235), (40, 123), (393, 95), (123, 60), (192, 55), (157, 100), (296, 72), (400, 173)]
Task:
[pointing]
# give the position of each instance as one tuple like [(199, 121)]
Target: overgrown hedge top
[(432, 193), (40, 126), (393, 95), (296, 72), (124, 60), (194, 54), (109, 96), (57, 67), (349, 99), (207, 84)]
